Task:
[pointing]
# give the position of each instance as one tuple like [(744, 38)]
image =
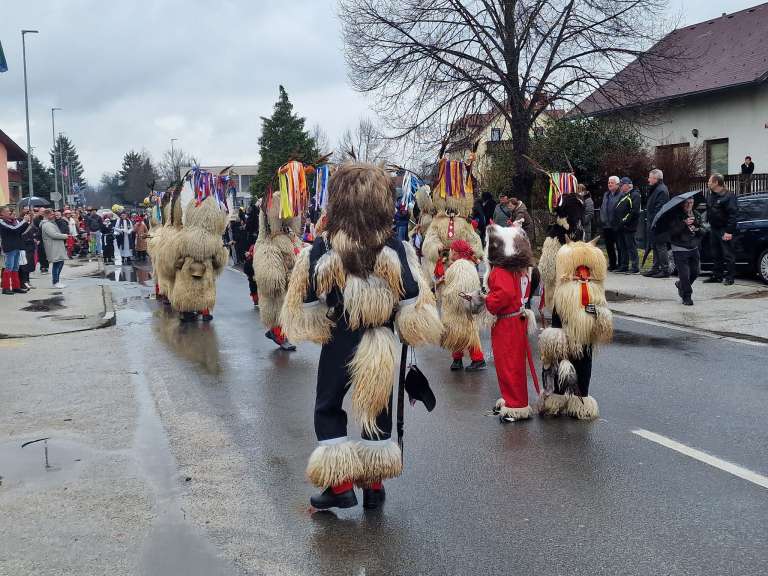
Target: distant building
[(491, 133), (244, 174), (716, 97), (10, 182)]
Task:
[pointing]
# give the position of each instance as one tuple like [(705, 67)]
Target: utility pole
[(173, 160), (61, 171), (55, 163), (26, 108)]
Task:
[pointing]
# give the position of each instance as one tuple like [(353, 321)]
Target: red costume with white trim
[(510, 284)]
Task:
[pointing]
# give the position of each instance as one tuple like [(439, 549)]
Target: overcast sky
[(132, 74)]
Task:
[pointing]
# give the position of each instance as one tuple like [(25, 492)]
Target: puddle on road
[(625, 338), (139, 276), (45, 304), (27, 466)]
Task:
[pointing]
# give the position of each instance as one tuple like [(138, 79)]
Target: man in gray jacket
[(606, 219), (658, 195)]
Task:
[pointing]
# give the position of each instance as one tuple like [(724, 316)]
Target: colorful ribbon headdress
[(454, 179), (205, 184), (322, 175), (560, 183), (294, 193)]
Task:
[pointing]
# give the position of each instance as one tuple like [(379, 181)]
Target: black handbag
[(417, 386)]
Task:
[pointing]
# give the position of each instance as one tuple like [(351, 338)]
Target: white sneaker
[(60, 285)]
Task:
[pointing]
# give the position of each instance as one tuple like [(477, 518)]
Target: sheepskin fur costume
[(347, 291)]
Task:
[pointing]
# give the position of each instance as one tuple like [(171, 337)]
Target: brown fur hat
[(508, 248), (360, 212)]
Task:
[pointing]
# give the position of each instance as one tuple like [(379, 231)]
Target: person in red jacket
[(511, 283)]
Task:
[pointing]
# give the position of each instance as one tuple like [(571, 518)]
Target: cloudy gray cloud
[(131, 74)]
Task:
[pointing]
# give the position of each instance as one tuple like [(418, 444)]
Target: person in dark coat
[(722, 215), (489, 205), (610, 197), (685, 234), (626, 216), (252, 223), (41, 256), (108, 240), (658, 195), (12, 242), (31, 237)]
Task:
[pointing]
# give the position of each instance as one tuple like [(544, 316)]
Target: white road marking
[(714, 461)]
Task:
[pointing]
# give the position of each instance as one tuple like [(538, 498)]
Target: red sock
[(458, 355), (476, 354), (205, 312), (278, 332), (255, 297), (15, 281), (6, 280), (343, 487), (376, 485)]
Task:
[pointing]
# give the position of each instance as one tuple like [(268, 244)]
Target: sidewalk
[(739, 311), (43, 311)]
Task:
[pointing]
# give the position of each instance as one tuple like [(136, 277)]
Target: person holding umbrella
[(685, 233)]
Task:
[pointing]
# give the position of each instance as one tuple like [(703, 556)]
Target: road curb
[(694, 329), (108, 318)]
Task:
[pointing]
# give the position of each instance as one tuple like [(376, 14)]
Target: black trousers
[(248, 271), (687, 264), (333, 381), (723, 258), (609, 235), (29, 267), (583, 366), (660, 257), (628, 250), (42, 258)]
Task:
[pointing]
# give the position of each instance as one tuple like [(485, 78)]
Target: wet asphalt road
[(477, 497)]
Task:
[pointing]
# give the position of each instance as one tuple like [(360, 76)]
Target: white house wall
[(739, 115)]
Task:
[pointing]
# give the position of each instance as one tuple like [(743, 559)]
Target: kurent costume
[(279, 243), (511, 282), (452, 199), (200, 258), (580, 321), (568, 209), (347, 292), (166, 222)]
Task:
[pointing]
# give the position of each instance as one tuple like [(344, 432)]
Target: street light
[(173, 160), (55, 164), (26, 107)]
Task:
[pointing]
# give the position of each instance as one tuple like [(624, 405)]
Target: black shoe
[(271, 335), (507, 419), (687, 301), (24, 290), (621, 270), (457, 365), (477, 366), (611, 268), (372, 499), (661, 274), (712, 280), (728, 282), (650, 272), (327, 499), (7, 292), (634, 271), (188, 316), (207, 317)]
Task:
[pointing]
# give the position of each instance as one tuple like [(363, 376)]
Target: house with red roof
[(713, 94), (10, 183)]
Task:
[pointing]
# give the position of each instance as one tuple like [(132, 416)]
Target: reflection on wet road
[(550, 496)]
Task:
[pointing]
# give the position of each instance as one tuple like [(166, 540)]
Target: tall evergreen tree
[(283, 138), (42, 179), (65, 153), (136, 173)]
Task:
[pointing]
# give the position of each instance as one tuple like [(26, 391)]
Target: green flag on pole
[(3, 63)]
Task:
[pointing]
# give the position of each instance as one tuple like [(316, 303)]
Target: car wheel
[(762, 266)]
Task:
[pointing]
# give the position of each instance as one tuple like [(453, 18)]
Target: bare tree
[(366, 141), (431, 63), (170, 165), (320, 136)]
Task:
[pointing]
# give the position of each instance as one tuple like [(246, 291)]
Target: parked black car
[(750, 242)]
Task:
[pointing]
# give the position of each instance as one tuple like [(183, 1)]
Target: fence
[(739, 183)]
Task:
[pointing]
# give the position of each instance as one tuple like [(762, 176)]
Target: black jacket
[(626, 215), (10, 234), (658, 196), (722, 211), (94, 222), (683, 235)]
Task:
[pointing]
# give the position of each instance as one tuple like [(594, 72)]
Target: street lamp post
[(26, 107), (55, 163), (173, 160), (61, 170)]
